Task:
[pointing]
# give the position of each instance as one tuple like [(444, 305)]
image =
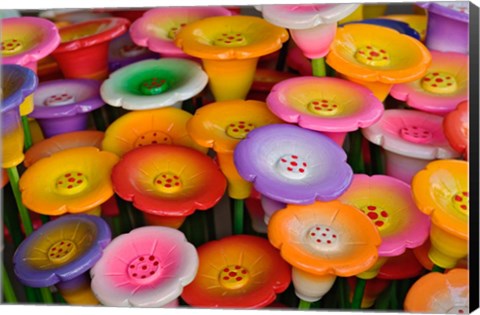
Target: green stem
[(319, 68), (10, 217), (8, 291), (344, 292), (27, 133), (355, 155), (304, 305), (47, 296), (438, 269), (358, 293), (98, 119), (24, 216), (393, 295), (238, 208), (282, 56), (117, 225), (376, 157)]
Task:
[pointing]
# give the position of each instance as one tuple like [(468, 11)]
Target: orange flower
[(229, 47), (70, 181), (47, 147), (321, 241), (221, 126), (377, 61), (139, 128), (440, 293), (237, 271), (441, 191)]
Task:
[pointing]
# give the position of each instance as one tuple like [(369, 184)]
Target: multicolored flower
[(329, 105), (122, 51), (74, 180), (27, 39), (230, 47), (83, 51), (440, 293), (158, 28), (442, 88), (410, 139), (239, 271), (64, 105), (441, 191), (293, 165), (221, 126), (152, 84), (321, 241), (312, 26), (148, 267), (18, 85), (388, 203), (456, 129), (380, 61), (60, 253), (168, 180), (140, 128)]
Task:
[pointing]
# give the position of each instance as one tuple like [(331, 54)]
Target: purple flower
[(293, 165)]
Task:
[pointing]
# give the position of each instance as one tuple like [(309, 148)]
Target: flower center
[(153, 137), (153, 86), (292, 166), (144, 268), (231, 40), (60, 99), (239, 129), (167, 183), (460, 202), (323, 107), (439, 83), (233, 277), (378, 216), (373, 56), (322, 235), (172, 32), (11, 46), (71, 183), (131, 50), (416, 134), (61, 251), (462, 309)]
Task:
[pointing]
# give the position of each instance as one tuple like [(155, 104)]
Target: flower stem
[(47, 296), (358, 293), (393, 295), (319, 68), (27, 133), (303, 305), (24, 216), (376, 157), (344, 292), (282, 57), (438, 269), (98, 119), (355, 155), (8, 291), (238, 208), (10, 217)]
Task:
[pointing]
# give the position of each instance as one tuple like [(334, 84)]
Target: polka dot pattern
[(439, 83), (231, 40), (11, 46), (233, 277), (378, 215), (172, 33), (373, 56), (460, 309), (460, 202), (416, 134), (144, 268), (323, 107), (153, 86), (71, 183), (152, 137), (292, 166), (321, 235), (60, 99), (239, 129), (61, 252), (168, 183)]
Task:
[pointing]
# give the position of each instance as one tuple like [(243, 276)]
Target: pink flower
[(441, 89), (147, 267)]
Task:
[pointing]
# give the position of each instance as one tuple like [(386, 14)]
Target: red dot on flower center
[(371, 208)]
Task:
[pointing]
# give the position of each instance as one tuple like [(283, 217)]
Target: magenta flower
[(147, 267)]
